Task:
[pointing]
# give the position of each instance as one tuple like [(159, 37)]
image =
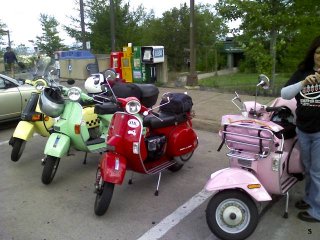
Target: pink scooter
[(264, 163)]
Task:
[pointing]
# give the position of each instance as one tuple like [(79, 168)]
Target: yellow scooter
[(32, 121)]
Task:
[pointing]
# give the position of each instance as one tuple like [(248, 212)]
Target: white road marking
[(174, 218), (4, 142)]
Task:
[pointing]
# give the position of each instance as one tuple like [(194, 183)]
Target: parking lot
[(64, 209)]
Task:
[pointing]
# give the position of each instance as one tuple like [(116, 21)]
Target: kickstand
[(131, 178), (285, 215), (85, 159), (158, 184)]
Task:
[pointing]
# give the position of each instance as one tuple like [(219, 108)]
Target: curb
[(206, 125)]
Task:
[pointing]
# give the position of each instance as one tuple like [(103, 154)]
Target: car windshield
[(11, 79)]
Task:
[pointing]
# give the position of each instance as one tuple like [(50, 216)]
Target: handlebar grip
[(273, 109)]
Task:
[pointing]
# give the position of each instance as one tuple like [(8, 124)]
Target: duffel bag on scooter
[(179, 103)]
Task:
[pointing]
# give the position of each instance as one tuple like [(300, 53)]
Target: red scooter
[(144, 141)]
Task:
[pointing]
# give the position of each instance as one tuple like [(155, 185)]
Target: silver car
[(14, 96)]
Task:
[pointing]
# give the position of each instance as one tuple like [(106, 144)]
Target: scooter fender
[(113, 167), (24, 130), (57, 145), (231, 178)]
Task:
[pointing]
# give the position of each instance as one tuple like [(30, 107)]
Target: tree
[(267, 27), (3, 32), (142, 28), (97, 22), (49, 41)]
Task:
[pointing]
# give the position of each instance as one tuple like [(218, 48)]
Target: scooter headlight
[(133, 107), (74, 94)]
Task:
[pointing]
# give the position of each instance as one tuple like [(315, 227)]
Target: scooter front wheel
[(50, 168), (232, 215), (103, 198), (18, 146)]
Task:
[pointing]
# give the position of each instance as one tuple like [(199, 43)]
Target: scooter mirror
[(264, 81), (110, 74)]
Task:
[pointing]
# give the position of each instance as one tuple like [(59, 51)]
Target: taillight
[(36, 117), (77, 129)]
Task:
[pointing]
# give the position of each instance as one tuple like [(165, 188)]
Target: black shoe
[(304, 216), (302, 205)]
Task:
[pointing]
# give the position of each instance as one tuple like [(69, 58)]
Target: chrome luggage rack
[(249, 142)]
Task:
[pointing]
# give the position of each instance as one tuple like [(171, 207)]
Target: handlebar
[(273, 109)]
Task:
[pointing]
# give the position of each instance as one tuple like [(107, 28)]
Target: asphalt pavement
[(63, 210)]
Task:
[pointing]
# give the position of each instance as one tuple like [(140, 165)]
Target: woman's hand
[(311, 79)]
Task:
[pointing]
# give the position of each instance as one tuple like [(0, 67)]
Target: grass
[(241, 82)]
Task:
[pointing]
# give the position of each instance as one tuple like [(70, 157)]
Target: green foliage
[(240, 82), (3, 33), (49, 41), (143, 28), (272, 30)]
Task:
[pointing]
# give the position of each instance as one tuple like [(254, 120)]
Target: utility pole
[(112, 27), (192, 79), (83, 31)]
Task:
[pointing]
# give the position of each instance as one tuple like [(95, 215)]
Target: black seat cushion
[(162, 119)]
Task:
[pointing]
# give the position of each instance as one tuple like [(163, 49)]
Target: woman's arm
[(291, 91)]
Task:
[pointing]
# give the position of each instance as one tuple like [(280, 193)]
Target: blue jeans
[(310, 155)]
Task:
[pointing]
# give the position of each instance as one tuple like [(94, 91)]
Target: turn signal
[(46, 118), (36, 117), (252, 186), (77, 129)]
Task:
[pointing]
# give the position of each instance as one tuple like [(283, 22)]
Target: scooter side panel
[(43, 129), (24, 130), (182, 140), (231, 178), (113, 167), (57, 145)]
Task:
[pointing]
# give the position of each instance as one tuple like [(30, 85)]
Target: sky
[(22, 16)]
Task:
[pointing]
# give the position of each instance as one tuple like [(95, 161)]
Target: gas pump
[(151, 56), (126, 63), (116, 63)]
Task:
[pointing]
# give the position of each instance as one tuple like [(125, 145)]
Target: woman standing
[(304, 85)]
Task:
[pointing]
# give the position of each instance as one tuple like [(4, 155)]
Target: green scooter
[(78, 127)]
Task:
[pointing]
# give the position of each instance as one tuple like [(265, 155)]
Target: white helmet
[(93, 83)]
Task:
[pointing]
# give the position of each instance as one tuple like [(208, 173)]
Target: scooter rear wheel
[(103, 198), (186, 157), (50, 168), (17, 149), (232, 215), (176, 166)]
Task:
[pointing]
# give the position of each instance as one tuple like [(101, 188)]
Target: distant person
[(10, 59)]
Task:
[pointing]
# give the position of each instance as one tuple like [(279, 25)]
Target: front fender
[(113, 167), (24, 130), (230, 178), (57, 145)]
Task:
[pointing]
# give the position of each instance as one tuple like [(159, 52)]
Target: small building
[(234, 52)]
